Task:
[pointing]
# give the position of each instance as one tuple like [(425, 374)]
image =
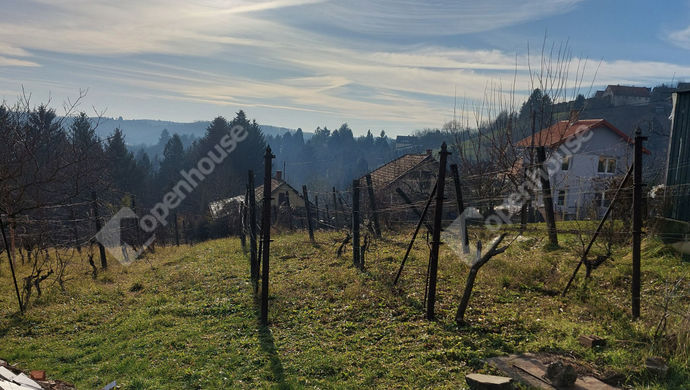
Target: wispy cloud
[(428, 18), (317, 58), (680, 38), (6, 61)]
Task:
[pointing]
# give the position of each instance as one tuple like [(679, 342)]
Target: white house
[(583, 158)]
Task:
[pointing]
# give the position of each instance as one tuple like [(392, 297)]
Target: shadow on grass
[(12, 321), (268, 346)]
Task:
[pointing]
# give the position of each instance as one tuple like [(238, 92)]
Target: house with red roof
[(584, 157)]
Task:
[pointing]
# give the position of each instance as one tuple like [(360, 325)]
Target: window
[(606, 165), (611, 165), (560, 201), (565, 163), (605, 200), (601, 200)]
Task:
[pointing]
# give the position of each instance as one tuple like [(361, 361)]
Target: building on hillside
[(414, 174), (404, 143), (582, 175), (282, 194), (622, 95)]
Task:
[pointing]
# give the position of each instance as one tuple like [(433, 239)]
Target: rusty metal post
[(137, 228), (266, 230), (177, 230), (598, 229), (289, 209), (355, 222), (372, 205), (637, 224), (421, 217), (436, 234), (316, 206), (308, 209), (9, 258), (461, 207), (97, 223), (335, 209), (251, 201)]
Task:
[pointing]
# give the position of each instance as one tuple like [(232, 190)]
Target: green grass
[(190, 321)]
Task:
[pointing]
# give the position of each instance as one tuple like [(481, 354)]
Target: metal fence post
[(436, 234)]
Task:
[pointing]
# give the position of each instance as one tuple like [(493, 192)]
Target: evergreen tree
[(172, 163), (121, 164)]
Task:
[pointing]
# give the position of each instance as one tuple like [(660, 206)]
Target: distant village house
[(622, 95)]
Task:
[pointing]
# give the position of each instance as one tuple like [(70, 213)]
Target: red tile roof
[(559, 132)]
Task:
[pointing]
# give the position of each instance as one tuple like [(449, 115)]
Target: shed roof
[(275, 183), (392, 170), (624, 90)]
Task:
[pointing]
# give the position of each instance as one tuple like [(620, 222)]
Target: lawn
[(187, 318)]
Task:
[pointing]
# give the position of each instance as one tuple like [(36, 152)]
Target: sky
[(397, 66)]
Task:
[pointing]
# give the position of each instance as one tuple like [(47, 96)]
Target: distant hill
[(148, 131)]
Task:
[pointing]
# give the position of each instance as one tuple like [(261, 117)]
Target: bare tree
[(493, 161)]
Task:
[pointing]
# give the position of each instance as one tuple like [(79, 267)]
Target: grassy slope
[(194, 322)]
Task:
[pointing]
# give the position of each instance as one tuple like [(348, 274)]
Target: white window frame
[(607, 165), (566, 161)]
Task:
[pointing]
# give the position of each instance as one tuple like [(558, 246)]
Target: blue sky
[(391, 65)]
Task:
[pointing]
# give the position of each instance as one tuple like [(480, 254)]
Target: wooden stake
[(548, 197)]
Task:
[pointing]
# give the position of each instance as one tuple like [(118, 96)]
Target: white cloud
[(680, 38), (246, 53), (430, 18), (6, 61)]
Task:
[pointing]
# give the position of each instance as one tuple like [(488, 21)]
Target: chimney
[(279, 175), (428, 152)]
